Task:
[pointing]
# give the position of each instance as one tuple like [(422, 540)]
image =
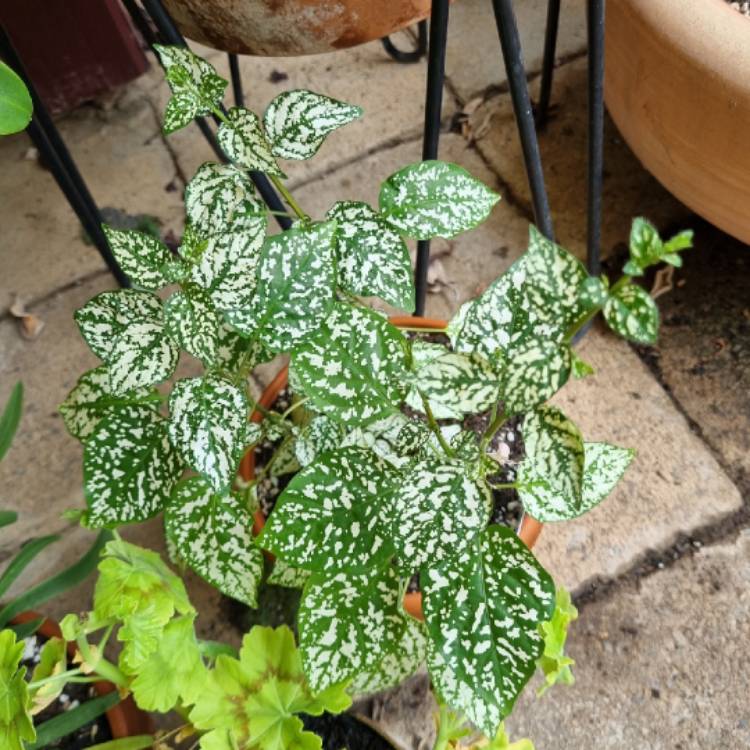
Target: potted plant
[(393, 437)]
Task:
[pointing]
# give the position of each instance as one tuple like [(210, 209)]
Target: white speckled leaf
[(396, 665), (125, 328), (298, 121), (207, 425), (213, 534), (244, 143), (235, 351), (604, 464), (552, 471), (321, 434), (221, 198), (482, 612), (373, 260), (347, 624), (332, 515), (90, 401), (437, 510), (286, 576), (435, 199), (129, 469), (647, 248), (143, 257), (353, 367), (192, 322), (295, 288), (631, 313), (382, 437)]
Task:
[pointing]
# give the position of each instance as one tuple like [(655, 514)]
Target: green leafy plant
[(15, 102), (388, 482)]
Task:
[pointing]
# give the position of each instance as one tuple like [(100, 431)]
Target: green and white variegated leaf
[(126, 329), (437, 509), (294, 294), (192, 322), (243, 141), (234, 351), (554, 464), (90, 401), (321, 434), (594, 292), (213, 534), (647, 249), (129, 469), (372, 259), (347, 623), (297, 122), (287, 576), (482, 611), (435, 199), (207, 425), (382, 437), (353, 367), (144, 258), (454, 384), (227, 267), (536, 370), (604, 464), (397, 665), (286, 459), (633, 314), (332, 515), (221, 198), (196, 87)]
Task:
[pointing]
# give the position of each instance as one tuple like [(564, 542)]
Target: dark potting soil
[(74, 695), (345, 732)]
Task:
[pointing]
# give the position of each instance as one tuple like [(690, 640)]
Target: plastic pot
[(528, 530), (125, 719)]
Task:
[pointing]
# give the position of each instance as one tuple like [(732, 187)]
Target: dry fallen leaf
[(30, 325), (663, 281)]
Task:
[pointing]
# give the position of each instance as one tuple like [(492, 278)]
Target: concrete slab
[(628, 190)]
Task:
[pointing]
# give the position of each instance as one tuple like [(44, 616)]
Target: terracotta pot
[(528, 530), (292, 27), (125, 719), (678, 88)]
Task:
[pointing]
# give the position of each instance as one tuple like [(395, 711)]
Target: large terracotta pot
[(292, 27), (678, 87), (528, 531)]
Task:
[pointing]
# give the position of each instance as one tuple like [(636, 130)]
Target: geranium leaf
[(435, 199), (53, 660), (126, 329), (129, 469), (633, 314), (243, 141), (213, 533), (437, 509), (482, 611), (372, 259), (347, 623), (295, 287), (208, 417), (353, 367), (16, 726), (332, 515), (143, 257), (321, 434), (298, 121), (221, 198), (553, 662), (192, 322), (90, 401)]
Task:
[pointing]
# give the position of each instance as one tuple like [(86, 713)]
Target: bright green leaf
[(53, 660), (15, 102), (553, 661), (15, 721), (10, 418)]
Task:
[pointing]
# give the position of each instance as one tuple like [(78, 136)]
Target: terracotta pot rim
[(528, 530), (125, 719)]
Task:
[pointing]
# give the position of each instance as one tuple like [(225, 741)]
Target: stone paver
[(628, 190)]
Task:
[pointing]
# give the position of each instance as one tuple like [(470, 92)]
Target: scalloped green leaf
[(213, 534), (553, 662), (15, 723), (437, 509), (482, 610), (297, 122), (353, 367), (372, 259), (90, 401), (333, 514), (243, 141), (208, 419), (129, 469), (53, 661), (295, 288), (192, 322), (347, 623), (631, 313), (145, 259), (435, 199)]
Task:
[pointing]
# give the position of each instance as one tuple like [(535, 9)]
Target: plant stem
[(295, 405), (281, 187), (497, 421), (100, 665), (421, 329), (432, 422)]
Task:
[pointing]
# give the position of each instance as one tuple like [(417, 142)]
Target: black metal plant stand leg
[(412, 56), (56, 156), (548, 62)]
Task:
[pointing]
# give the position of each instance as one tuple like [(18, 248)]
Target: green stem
[(101, 666), (432, 422), (264, 471), (67, 676), (221, 116), (281, 187), (294, 406), (496, 422)]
